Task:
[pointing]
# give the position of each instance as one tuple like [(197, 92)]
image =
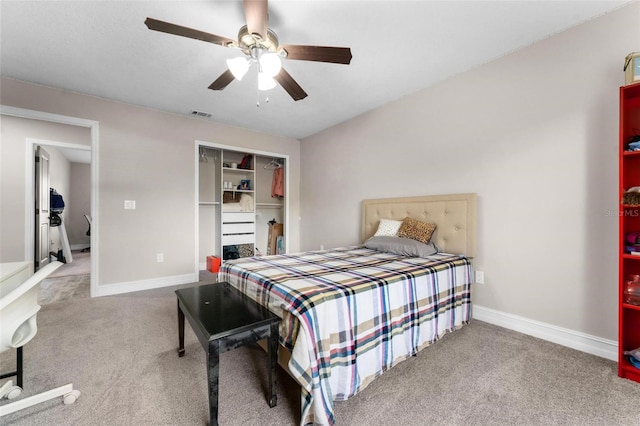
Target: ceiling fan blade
[(290, 85), (336, 55), (256, 14), (222, 81), (167, 27)]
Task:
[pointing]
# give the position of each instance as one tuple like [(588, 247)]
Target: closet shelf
[(236, 170), (271, 205)]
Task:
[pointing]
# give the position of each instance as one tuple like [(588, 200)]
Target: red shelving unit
[(629, 315)]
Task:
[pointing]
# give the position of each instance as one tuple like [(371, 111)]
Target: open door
[(42, 208)]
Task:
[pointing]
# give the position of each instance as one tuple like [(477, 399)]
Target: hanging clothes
[(277, 185)]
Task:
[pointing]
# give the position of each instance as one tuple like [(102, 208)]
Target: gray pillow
[(402, 246)]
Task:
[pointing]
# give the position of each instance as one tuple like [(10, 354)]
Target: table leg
[(273, 363), (180, 331), (213, 372)]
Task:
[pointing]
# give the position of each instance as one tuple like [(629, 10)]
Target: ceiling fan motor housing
[(247, 41)]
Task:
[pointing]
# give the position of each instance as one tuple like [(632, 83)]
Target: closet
[(241, 203)]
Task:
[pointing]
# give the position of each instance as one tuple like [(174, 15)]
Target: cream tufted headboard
[(454, 215)]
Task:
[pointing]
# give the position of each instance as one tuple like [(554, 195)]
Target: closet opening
[(242, 204)]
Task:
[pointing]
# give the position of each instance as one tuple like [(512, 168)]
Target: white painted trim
[(150, 284), (45, 116), (57, 144), (29, 197), (199, 143), (94, 126), (563, 336)]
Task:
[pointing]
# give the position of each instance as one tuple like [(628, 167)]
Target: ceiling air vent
[(201, 114)]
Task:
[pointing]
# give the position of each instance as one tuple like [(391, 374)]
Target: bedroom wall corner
[(534, 134)]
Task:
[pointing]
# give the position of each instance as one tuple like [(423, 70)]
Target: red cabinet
[(629, 314)]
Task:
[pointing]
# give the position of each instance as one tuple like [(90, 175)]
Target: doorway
[(62, 217), (29, 212)]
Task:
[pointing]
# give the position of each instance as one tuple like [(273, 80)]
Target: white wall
[(147, 156), (79, 205), (535, 135), (14, 132)]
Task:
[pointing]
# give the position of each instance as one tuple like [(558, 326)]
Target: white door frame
[(30, 145), (42, 183)]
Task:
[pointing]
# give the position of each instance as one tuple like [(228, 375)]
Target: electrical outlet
[(479, 277), (321, 246), (160, 257), (129, 204)]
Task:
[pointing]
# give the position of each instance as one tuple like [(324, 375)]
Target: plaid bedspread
[(351, 313)]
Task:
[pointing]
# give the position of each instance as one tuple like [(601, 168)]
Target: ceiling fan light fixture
[(265, 82), (238, 67), (270, 64), (255, 40)]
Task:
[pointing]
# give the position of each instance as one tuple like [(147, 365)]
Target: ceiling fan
[(260, 46)]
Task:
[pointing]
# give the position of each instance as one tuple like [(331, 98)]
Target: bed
[(351, 313)]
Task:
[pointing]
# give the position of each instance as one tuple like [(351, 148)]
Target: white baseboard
[(128, 287), (563, 336)]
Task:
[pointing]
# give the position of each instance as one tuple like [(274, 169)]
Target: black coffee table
[(223, 319)]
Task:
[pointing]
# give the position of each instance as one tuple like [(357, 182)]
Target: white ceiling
[(76, 155), (104, 49)]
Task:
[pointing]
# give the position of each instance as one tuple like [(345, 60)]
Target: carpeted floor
[(81, 265), (70, 281), (54, 290), (120, 352)]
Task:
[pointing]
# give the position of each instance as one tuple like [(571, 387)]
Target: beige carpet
[(60, 289), (70, 281), (81, 265), (120, 352)]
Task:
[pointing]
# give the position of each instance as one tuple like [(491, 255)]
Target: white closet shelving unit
[(218, 182), (238, 227)]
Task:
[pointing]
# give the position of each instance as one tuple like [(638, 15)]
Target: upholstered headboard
[(454, 215)]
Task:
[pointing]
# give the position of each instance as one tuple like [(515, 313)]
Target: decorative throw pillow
[(388, 228), (401, 246), (416, 230)]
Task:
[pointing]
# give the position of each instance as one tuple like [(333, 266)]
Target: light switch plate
[(129, 204)]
